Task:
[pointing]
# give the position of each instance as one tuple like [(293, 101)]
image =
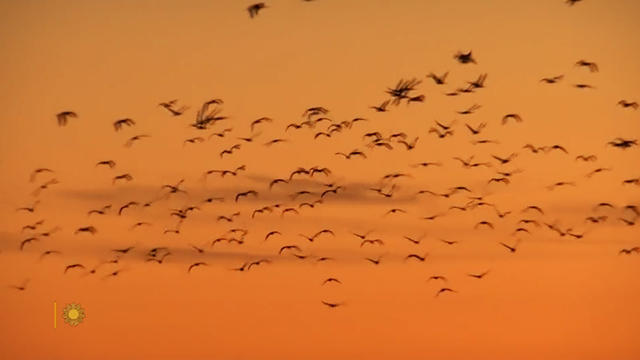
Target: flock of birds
[(318, 120), (255, 8)]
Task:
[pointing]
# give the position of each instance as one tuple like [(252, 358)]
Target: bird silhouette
[(444, 290), (439, 80), (479, 276), (196, 264), (593, 67), (553, 79), (64, 116), (628, 104), (118, 124), (464, 58), (255, 8), (332, 305)]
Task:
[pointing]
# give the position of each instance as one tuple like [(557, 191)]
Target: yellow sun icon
[(73, 314)]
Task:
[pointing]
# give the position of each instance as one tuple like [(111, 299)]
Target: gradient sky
[(555, 298)]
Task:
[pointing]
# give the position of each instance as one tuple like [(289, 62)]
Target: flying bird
[(246, 194), (593, 67), (439, 80), (464, 58), (196, 264), (255, 8), (628, 104), (63, 117), (332, 305), (508, 117), (118, 124), (444, 290)]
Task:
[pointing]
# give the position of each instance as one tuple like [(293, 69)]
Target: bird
[(329, 280), (529, 221), (21, 287), (124, 250), (412, 240), (255, 8), (73, 266), (583, 86), (443, 290), (28, 241), (507, 117), (289, 247), (372, 242), (228, 218), (230, 150), (382, 107), (275, 141), (593, 67), (479, 276), (193, 140), (534, 149), (173, 189), (420, 258), (259, 121), (505, 160), (485, 223), (464, 58), (44, 186), (332, 305), (118, 124), (126, 206), (470, 110), (533, 208), (126, 177), (351, 154), (547, 149), (552, 80), (476, 130), (33, 226), (439, 80), (374, 261), (409, 145), (271, 233), (38, 171), (448, 242), (478, 83), (629, 251), (597, 171), (627, 221), (86, 229), (110, 163), (560, 184), (503, 180), (134, 139), (170, 106), (31, 208), (628, 104), (196, 264), (395, 211), (623, 143), (288, 210), (587, 158), (64, 116), (245, 194), (511, 249), (362, 236)]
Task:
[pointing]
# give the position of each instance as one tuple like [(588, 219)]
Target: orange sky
[(555, 298)]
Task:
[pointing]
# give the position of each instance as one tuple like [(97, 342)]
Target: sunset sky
[(556, 297)]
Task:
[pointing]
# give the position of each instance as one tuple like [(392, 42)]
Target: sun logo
[(73, 314)]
